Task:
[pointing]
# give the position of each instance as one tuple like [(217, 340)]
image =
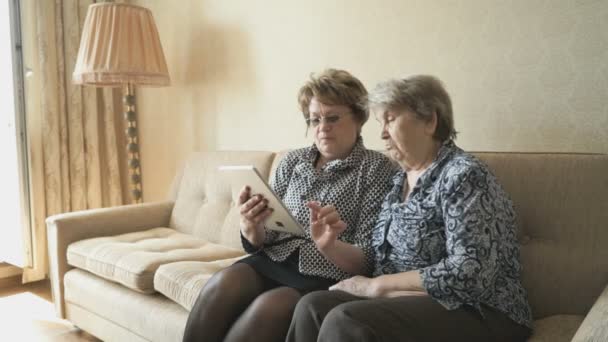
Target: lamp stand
[(132, 143)]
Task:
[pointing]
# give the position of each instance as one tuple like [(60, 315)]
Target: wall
[(524, 75)]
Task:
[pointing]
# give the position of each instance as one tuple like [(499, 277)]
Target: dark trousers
[(339, 316)]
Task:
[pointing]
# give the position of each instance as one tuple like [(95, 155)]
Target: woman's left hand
[(358, 285), (380, 286), (325, 225)]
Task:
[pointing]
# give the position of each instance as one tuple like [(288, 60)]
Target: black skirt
[(286, 273)]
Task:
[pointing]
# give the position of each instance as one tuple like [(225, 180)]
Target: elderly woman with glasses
[(254, 299), (446, 255)]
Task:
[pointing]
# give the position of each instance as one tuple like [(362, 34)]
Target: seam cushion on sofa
[(182, 281), (132, 259)]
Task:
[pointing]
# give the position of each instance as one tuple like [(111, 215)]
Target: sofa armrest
[(595, 325), (63, 229)]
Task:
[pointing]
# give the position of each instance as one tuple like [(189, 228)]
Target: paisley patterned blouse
[(458, 229)]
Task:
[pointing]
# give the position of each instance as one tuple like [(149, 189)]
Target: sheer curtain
[(75, 134)]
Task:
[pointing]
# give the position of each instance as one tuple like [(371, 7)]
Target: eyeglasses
[(328, 120)]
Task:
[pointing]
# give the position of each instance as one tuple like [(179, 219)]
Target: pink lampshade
[(120, 45)]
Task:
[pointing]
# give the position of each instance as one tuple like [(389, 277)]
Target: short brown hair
[(335, 87), (421, 94)]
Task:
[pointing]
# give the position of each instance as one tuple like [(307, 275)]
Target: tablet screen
[(239, 176)]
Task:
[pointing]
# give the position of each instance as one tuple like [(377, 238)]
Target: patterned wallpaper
[(535, 75), (524, 75)]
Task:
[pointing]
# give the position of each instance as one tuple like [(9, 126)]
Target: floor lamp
[(120, 47)]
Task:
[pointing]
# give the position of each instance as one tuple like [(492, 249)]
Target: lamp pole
[(132, 143)]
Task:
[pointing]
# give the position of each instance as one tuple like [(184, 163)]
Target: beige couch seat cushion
[(131, 259), (182, 281), (99, 304), (556, 328)]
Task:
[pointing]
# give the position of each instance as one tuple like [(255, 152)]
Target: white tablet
[(280, 219)]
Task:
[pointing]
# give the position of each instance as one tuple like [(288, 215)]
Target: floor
[(27, 314)]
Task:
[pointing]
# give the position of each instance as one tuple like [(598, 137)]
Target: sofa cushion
[(556, 328), (131, 259), (114, 312), (182, 281)]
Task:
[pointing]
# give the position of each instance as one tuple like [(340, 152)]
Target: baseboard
[(9, 271), (9, 282)]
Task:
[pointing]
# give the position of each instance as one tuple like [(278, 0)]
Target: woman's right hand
[(254, 212)]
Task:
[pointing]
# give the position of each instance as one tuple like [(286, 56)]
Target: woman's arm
[(348, 257), (477, 219), (356, 255), (390, 285), (325, 226)]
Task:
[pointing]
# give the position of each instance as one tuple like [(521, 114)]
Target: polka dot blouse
[(355, 185)]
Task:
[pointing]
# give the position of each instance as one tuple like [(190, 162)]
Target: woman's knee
[(344, 322), (235, 279), (319, 303), (339, 316), (357, 313), (275, 304), (313, 301)]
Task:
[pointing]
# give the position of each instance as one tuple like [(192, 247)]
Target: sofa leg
[(82, 334)]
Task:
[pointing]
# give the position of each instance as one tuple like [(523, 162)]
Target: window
[(15, 233)]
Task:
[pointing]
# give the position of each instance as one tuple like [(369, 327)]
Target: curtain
[(75, 134)]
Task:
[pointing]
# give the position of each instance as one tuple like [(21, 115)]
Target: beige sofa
[(132, 273)]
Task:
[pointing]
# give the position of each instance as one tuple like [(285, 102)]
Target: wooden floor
[(27, 314)]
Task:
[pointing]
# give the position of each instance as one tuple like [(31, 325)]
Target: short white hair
[(421, 94)]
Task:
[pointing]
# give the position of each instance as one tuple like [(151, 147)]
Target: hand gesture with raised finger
[(325, 225), (254, 211)]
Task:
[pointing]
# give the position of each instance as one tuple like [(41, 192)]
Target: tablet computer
[(280, 219)]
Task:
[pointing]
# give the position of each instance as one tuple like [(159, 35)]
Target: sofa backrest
[(561, 201), (204, 202)]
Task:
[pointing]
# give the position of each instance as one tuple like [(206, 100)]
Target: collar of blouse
[(446, 149), (307, 164)]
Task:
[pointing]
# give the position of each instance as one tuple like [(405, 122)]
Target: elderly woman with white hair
[(446, 255)]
